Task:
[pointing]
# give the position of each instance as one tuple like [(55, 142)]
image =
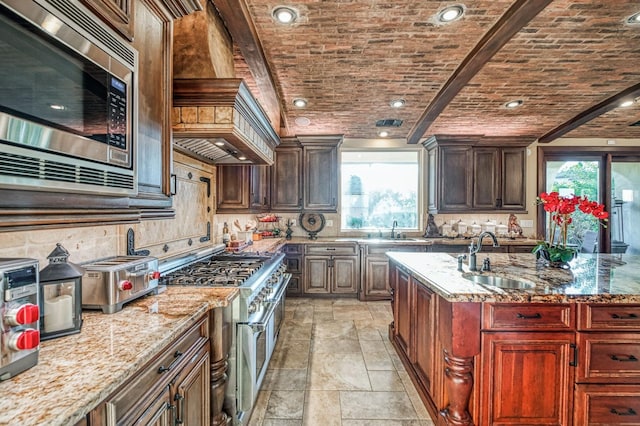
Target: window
[(379, 187)]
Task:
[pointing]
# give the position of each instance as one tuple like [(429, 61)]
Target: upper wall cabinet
[(243, 188), (469, 174), (305, 174), (118, 14)]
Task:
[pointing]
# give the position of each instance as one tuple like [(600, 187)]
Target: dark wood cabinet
[(401, 303), (320, 177), (286, 183), (466, 175), (374, 279), (305, 174), (294, 259), (118, 14), (424, 354), (242, 188), (331, 269), (527, 378)]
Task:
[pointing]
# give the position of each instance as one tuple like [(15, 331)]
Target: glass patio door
[(625, 207)]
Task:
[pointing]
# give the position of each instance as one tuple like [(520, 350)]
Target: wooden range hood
[(215, 117), (217, 120)]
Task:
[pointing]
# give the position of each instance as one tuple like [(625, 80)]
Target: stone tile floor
[(334, 366)]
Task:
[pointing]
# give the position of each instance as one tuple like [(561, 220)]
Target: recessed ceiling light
[(242, 158), (451, 13), (634, 19), (300, 103), (397, 103), (285, 14), (626, 103), (383, 133), (514, 104), (57, 107), (302, 121), (219, 143)]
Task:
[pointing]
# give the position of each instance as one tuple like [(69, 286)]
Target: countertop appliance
[(20, 340), (66, 115), (262, 282), (111, 282)]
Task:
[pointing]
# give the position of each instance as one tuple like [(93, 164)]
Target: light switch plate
[(329, 222), (526, 223)]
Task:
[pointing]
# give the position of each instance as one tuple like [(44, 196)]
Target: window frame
[(387, 146)]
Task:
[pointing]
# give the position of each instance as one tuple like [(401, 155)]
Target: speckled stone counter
[(607, 278), (75, 373), (409, 241)]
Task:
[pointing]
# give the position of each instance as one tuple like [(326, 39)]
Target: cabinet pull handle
[(177, 355), (574, 363), (534, 316), (624, 358), (628, 412), (623, 316), (180, 400), (331, 249)]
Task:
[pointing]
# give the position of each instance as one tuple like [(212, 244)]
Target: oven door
[(278, 311), (254, 348)]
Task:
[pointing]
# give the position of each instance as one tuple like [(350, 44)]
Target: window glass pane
[(625, 209), (379, 187), (577, 178)]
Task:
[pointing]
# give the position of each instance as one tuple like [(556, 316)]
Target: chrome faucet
[(393, 229), (475, 248)]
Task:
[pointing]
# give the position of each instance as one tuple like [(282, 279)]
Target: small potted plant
[(560, 210)]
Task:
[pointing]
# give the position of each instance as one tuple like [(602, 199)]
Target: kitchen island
[(76, 373), (563, 348)]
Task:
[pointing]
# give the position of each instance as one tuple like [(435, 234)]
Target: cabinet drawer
[(293, 248), (294, 264), (608, 356), (123, 406), (526, 316), (382, 249), (608, 317), (607, 405), (332, 250)]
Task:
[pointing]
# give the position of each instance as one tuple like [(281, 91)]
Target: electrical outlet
[(292, 222), (329, 222), (526, 223)]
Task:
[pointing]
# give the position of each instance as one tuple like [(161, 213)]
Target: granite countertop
[(408, 241), (606, 278), (75, 373)]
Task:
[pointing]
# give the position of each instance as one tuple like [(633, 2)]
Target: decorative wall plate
[(312, 223)]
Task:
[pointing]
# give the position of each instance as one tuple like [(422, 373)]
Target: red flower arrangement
[(560, 208)]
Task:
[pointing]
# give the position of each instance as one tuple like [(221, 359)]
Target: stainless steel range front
[(262, 282)]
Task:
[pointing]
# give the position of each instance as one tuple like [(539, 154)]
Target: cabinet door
[(321, 178), (344, 274), (160, 412), (192, 391), (485, 178), (260, 190), (455, 178), (233, 188), (116, 13), (376, 278), (316, 274), (153, 139), (295, 285), (286, 185), (423, 354), (402, 301), (513, 178), (526, 378)]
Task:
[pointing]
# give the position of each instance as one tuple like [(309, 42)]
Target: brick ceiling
[(350, 58)]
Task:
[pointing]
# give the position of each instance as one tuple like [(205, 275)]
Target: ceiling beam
[(237, 19), (603, 107), (514, 19)]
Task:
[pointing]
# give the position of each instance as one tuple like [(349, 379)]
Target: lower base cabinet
[(173, 388)]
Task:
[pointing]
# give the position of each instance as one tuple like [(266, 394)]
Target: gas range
[(257, 314)]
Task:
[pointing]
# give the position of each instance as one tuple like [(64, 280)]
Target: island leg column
[(459, 333), (219, 367)]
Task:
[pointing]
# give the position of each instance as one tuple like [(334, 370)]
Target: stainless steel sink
[(500, 282)]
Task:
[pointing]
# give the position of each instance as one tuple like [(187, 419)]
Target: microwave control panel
[(117, 113)]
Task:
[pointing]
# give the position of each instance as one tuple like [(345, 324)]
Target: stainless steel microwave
[(67, 117)]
